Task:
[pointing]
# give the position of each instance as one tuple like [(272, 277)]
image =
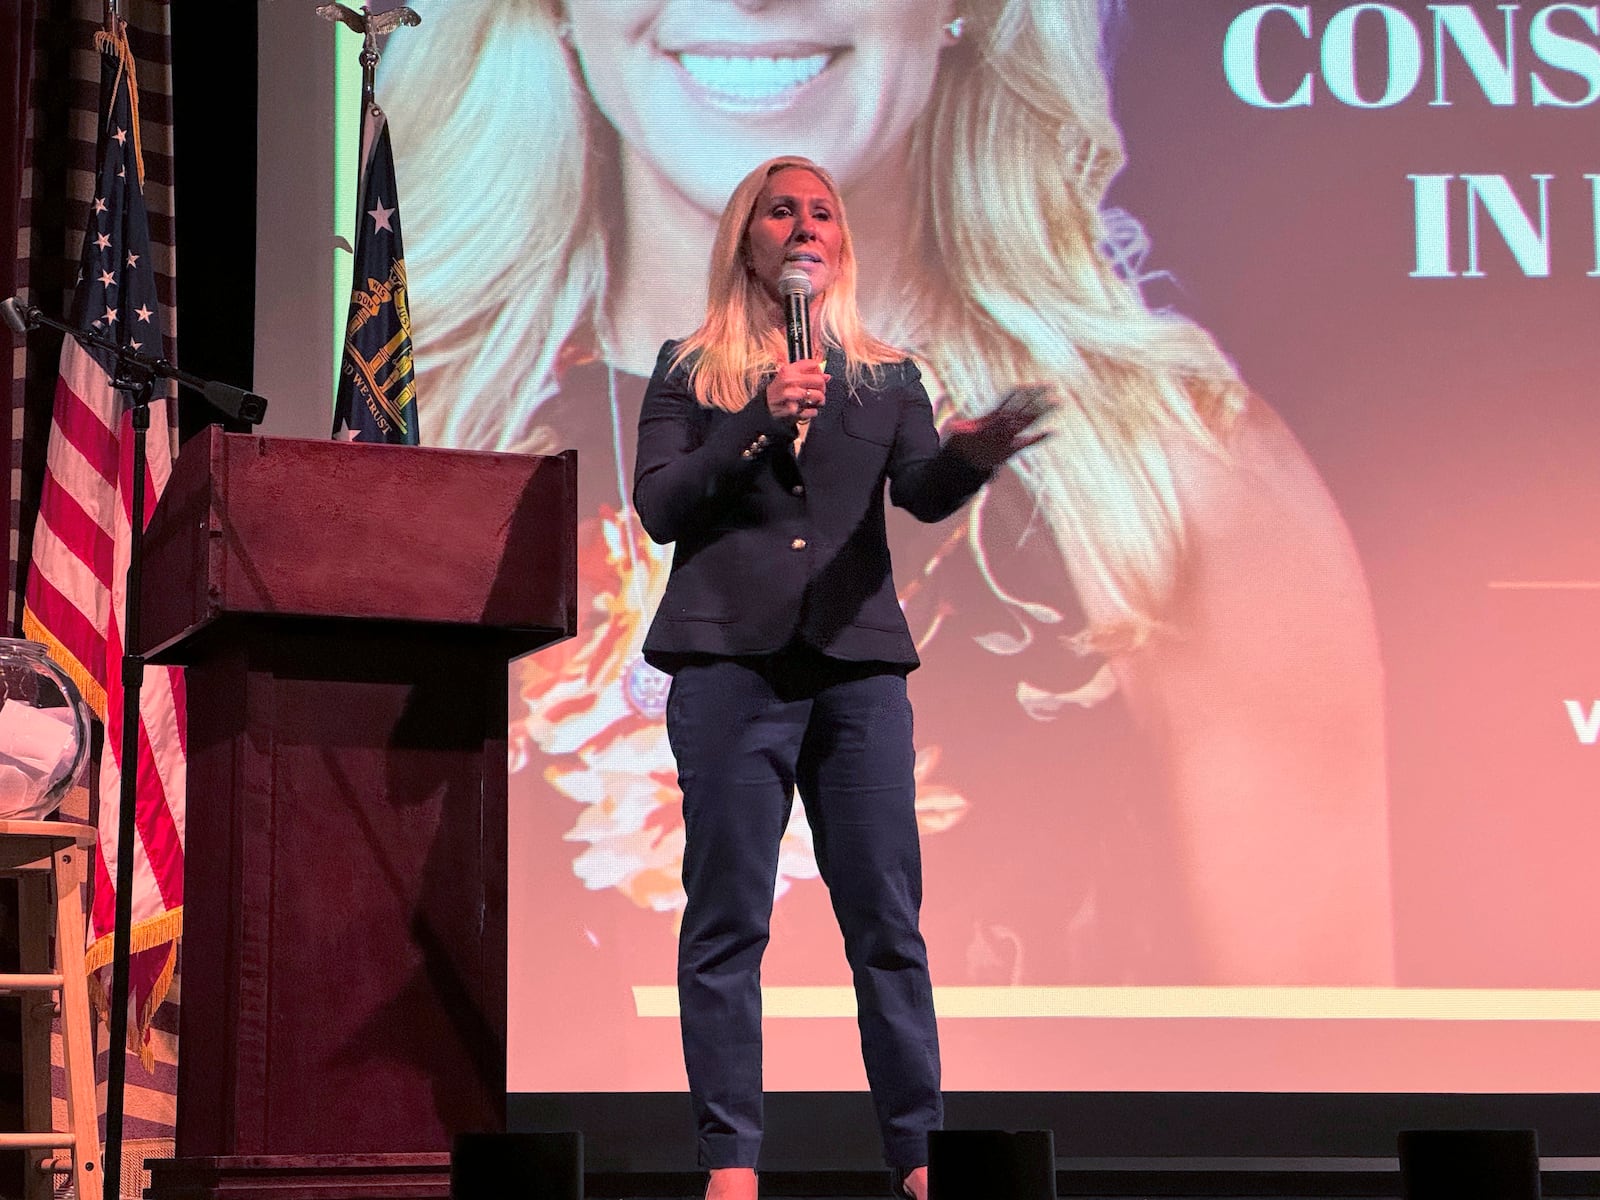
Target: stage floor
[(1121, 1179)]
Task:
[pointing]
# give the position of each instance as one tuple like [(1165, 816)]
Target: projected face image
[(840, 81), (1123, 775)]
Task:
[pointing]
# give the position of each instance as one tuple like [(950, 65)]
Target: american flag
[(77, 583)]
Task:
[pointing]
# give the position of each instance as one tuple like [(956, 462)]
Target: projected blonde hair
[(731, 351), (1013, 156)]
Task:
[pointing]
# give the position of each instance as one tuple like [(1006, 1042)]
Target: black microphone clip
[(19, 318)]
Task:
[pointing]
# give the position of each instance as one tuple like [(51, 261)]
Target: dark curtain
[(17, 22), (37, 153), (16, 78)]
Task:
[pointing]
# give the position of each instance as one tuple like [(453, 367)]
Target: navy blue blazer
[(774, 547)]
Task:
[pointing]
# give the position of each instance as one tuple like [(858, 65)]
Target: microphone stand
[(135, 375), (234, 403)]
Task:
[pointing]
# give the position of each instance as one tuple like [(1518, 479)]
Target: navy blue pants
[(748, 733)]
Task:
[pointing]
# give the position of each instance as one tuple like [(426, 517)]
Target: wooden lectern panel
[(345, 940), (345, 615)]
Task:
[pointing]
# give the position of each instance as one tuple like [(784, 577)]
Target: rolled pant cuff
[(729, 1150), (907, 1154)]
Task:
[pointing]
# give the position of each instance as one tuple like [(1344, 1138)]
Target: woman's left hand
[(989, 440)]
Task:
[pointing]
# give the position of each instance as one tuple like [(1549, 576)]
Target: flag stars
[(103, 241), (99, 204), (111, 315), (107, 278), (121, 135), (133, 259), (380, 217), (142, 313)]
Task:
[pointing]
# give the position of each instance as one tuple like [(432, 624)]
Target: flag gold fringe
[(116, 44), (88, 685), (146, 935), (166, 929)]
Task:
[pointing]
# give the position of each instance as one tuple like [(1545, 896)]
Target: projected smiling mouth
[(746, 81)]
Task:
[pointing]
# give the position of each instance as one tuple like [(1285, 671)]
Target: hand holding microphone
[(797, 391), (801, 385)]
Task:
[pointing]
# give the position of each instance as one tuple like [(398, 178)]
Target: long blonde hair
[(735, 345), (1013, 154)]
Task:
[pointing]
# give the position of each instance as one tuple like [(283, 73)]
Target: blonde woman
[(798, 685), (1153, 730)]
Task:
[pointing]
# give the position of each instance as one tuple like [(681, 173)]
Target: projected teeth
[(752, 78)]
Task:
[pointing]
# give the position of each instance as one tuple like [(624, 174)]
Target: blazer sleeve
[(690, 458), (928, 480)]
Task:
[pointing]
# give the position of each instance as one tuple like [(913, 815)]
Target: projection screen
[(1260, 704)]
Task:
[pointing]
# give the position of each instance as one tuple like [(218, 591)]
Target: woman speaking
[(788, 650)]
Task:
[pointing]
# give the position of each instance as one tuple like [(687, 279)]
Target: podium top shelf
[(252, 526)]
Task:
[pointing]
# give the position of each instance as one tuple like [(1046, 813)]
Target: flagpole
[(138, 381), (369, 73), (369, 97), (139, 384)]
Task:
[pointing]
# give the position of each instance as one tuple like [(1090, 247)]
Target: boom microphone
[(794, 285), (234, 402)]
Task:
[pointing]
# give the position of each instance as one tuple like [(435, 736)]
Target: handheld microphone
[(794, 285)]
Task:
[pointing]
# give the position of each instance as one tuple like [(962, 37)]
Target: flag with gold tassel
[(77, 581)]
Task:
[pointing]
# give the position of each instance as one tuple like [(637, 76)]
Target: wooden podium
[(345, 614)]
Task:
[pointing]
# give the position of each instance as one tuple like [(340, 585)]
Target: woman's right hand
[(797, 391)]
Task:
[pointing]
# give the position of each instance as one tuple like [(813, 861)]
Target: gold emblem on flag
[(385, 378)]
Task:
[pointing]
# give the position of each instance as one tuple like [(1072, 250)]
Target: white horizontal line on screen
[(1544, 585), (1234, 1003)]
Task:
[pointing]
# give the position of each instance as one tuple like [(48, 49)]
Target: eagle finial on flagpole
[(371, 26)]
